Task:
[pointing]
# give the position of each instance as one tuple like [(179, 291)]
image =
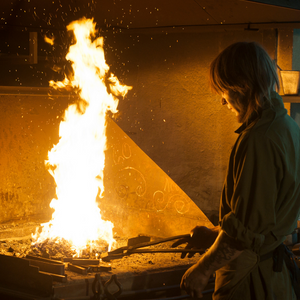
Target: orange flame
[(77, 161)]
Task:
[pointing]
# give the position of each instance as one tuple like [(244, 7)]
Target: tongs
[(128, 250)]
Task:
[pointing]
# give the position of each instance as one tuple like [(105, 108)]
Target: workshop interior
[(112, 144)]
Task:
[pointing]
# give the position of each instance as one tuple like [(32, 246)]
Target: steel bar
[(52, 261), (48, 267), (56, 277), (170, 250), (77, 269)]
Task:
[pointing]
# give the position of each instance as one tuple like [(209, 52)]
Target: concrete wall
[(170, 113), (28, 130)]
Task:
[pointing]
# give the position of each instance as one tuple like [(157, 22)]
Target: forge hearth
[(26, 276), (139, 198)]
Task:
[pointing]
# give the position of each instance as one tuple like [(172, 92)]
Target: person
[(259, 204)]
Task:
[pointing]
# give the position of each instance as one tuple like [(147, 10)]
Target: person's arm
[(200, 237), (223, 251)]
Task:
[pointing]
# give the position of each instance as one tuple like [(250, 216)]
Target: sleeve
[(251, 194)]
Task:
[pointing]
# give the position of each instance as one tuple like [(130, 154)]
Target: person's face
[(227, 100)]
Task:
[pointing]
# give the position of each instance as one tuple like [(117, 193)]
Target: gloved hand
[(201, 238)]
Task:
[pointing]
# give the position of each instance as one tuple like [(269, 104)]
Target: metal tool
[(147, 244), (108, 257), (128, 250)]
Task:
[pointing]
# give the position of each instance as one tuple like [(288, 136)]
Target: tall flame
[(77, 161)]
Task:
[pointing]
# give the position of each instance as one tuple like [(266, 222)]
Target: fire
[(77, 161)]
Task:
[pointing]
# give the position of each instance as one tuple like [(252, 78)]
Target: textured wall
[(170, 113), (29, 128)]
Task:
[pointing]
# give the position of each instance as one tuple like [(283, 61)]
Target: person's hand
[(194, 280), (201, 238)]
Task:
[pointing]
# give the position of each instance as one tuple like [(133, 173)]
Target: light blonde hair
[(246, 72)]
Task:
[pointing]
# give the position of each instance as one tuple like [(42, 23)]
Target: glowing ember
[(77, 161), (49, 40)]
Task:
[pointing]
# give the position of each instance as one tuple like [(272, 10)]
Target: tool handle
[(141, 245)]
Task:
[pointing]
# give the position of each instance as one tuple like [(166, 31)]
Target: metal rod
[(110, 256), (171, 250), (77, 269), (52, 261), (56, 277)]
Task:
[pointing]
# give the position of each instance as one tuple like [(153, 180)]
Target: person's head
[(245, 75)]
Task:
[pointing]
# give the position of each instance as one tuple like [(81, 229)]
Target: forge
[(142, 202), (138, 276), (167, 148), (106, 190)]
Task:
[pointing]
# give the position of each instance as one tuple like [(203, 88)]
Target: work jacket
[(260, 204)]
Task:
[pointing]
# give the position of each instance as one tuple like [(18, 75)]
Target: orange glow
[(49, 40), (77, 161)]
